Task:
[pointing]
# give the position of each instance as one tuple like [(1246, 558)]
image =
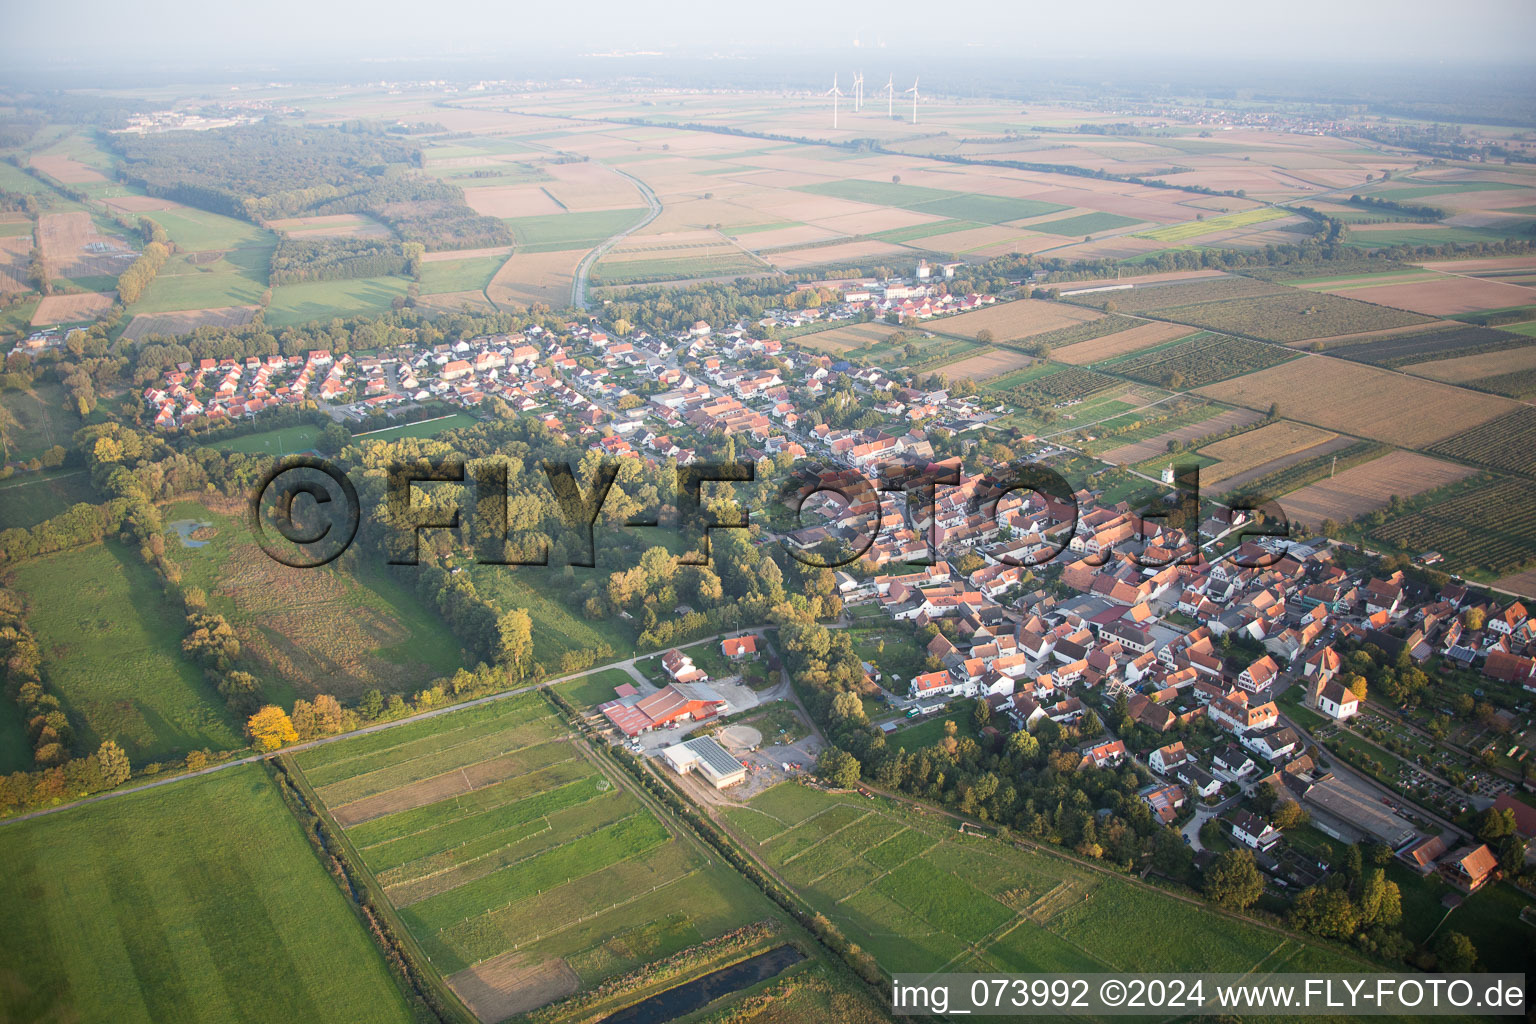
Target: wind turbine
[(834, 92), (858, 91), (890, 97), (913, 91)]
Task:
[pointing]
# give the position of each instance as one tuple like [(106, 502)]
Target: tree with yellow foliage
[(271, 728)]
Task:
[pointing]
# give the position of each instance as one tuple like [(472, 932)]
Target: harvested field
[(1362, 400), (1366, 488), (842, 254), (589, 186), (530, 277), (840, 340), (512, 201), (1267, 470), (74, 248), (1523, 583), (984, 365), (71, 309), (1153, 446), (778, 238), (1467, 369), (1258, 448), (169, 325), (14, 256), (1445, 296), (454, 255), (507, 985), (455, 302), (1124, 343), (67, 169), (1010, 321)]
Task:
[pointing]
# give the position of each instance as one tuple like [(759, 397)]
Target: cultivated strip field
[(984, 365), (920, 897), (1258, 448), (840, 340), (1010, 321), (1361, 400), (1362, 489), (1140, 451), (524, 866), (1123, 343), (1491, 527)]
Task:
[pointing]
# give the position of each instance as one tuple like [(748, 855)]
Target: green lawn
[(200, 231), (197, 902), (282, 441), (425, 428), (29, 498), (597, 688), (319, 300), (112, 652), (236, 278)]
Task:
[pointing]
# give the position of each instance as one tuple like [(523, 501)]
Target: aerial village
[(1223, 668)]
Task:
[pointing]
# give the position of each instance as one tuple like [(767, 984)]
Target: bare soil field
[(845, 339), (454, 302), (971, 239), (70, 309), (590, 186), (1447, 296), (1362, 400), (74, 248), (1523, 583), (342, 225), (775, 238), (1369, 486), (1096, 350), (511, 201), (1142, 450), (1273, 441), (986, 365), (841, 254), (170, 324), (861, 222), (1469, 368), (1010, 321), (507, 985), (15, 251), (532, 277), (67, 169)]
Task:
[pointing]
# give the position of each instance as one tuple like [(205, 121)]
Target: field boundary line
[(468, 814), (829, 835), (498, 755), (389, 885), (513, 863), (418, 757)]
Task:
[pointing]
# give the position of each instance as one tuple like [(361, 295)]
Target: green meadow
[(197, 902)]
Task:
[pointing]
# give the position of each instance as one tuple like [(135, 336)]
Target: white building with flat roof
[(708, 758)]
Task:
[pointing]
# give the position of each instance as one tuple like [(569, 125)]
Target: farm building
[(673, 703), (708, 758)]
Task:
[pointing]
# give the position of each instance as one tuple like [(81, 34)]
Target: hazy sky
[(195, 33)]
